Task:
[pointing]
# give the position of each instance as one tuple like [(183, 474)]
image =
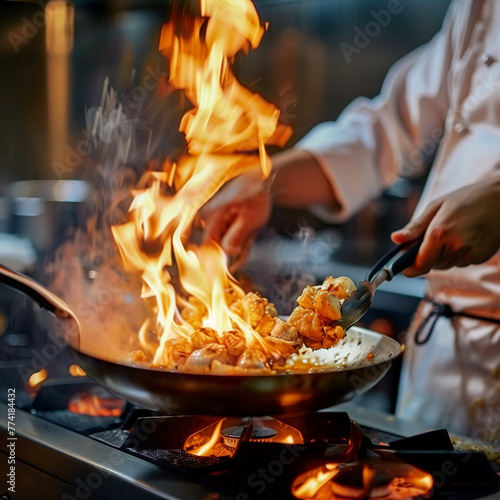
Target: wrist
[(298, 181)]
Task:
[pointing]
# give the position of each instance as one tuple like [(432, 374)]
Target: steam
[(86, 268)]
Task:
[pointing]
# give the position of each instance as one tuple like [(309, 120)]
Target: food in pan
[(274, 344)]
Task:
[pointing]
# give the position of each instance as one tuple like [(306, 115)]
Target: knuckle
[(438, 233)]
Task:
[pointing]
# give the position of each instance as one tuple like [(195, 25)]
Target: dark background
[(299, 65)]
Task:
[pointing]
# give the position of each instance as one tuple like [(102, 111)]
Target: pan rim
[(394, 349)]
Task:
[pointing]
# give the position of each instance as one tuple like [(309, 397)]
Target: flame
[(425, 483), (38, 377), (226, 132), (289, 439), (96, 406), (206, 448), (214, 440), (416, 484), (76, 371), (368, 477), (314, 481), (388, 479)]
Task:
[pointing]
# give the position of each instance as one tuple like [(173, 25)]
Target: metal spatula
[(392, 263)]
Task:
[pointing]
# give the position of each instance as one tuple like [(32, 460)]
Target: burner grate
[(83, 424), (179, 459), (53, 399)]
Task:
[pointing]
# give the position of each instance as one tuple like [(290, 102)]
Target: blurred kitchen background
[(55, 58)]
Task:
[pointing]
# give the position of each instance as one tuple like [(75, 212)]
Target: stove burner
[(267, 458), (232, 435), (393, 480)]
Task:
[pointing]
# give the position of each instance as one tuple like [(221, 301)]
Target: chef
[(439, 109)]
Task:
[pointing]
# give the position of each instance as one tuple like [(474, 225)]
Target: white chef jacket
[(439, 105)]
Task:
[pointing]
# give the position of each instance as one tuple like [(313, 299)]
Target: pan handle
[(46, 299)]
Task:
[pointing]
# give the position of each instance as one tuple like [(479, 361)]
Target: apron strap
[(422, 335)]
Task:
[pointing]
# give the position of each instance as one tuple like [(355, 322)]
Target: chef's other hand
[(235, 215), (461, 228)]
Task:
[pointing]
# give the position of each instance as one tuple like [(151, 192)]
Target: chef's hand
[(235, 215), (243, 206), (460, 229)]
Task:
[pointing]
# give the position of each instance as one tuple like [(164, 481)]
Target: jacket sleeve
[(375, 141)]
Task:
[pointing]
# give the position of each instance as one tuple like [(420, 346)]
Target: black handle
[(28, 287), (396, 260), (46, 299)]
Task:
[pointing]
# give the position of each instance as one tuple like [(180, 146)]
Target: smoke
[(86, 268)]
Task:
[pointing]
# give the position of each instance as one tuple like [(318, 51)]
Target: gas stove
[(72, 440)]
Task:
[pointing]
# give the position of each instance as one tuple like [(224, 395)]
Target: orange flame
[(225, 130), (76, 371), (368, 476), (308, 485), (206, 448), (93, 405), (38, 377), (398, 481)]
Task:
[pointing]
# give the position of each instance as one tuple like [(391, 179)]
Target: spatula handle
[(396, 260)]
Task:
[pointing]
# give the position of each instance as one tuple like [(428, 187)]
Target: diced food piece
[(200, 360), (235, 342), (265, 325), (306, 322), (341, 287), (250, 360), (307, 297), (284, 347), (334, 332), (137, 356), (271, 310), (252, 306), (284, 331), (327, 305), (180, 348), (256, 307), (202, 337)]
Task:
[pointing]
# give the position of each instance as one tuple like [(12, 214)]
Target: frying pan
[(362, 358)]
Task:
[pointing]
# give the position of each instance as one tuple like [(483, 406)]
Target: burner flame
[(96, 406), (369, 475), (37, 378), (222, 438), (76, 371), (206, 448), (386, 479), (308, 485)]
